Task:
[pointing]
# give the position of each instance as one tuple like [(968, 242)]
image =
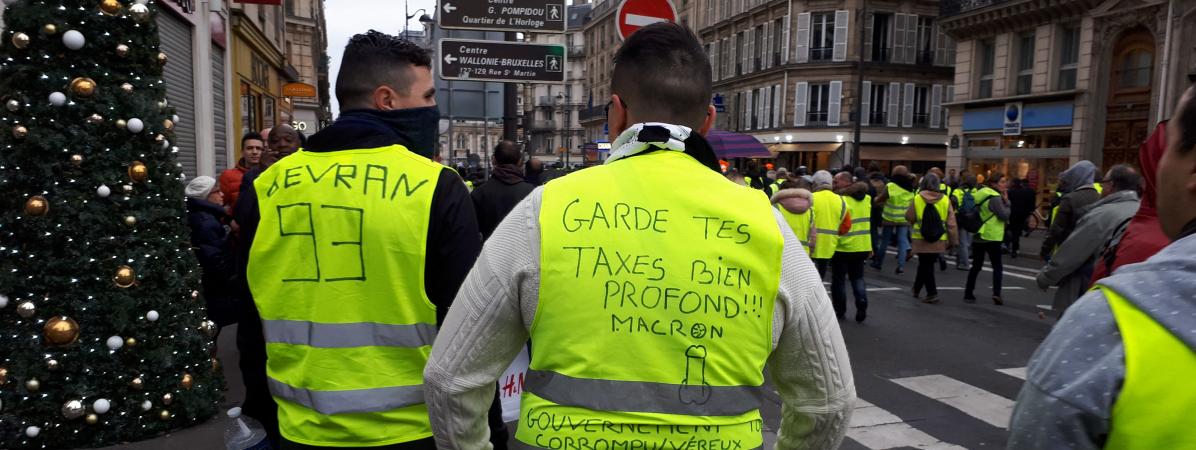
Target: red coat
[(1144, 236), (230, 183)]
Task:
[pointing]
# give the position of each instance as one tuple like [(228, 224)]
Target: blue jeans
[(962, 259), (901, 234), (848, 267)]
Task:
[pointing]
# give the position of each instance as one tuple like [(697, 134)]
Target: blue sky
[(348, 17)]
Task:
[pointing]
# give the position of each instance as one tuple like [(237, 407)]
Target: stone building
[(260, 67), (552, 129), (306, 44), (1043, 84)]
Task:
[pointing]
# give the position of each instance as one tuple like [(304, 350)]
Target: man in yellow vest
[(900, 191), (651, 310), (1115, 372), (831, 220), (854, 247), (361, 243), (992, 199)]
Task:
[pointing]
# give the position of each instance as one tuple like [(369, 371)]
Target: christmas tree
[(103, 336)]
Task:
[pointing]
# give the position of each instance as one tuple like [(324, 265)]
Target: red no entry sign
[(634, 14)]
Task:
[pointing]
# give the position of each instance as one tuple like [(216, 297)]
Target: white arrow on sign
[(448, 8), (449, 59)]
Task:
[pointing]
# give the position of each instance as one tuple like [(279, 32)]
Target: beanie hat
[(200, 187)]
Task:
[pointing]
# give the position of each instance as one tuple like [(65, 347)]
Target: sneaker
[(931, 299), (963, 268), (970, 299), (997, 300), (860, 315), (900, 271)]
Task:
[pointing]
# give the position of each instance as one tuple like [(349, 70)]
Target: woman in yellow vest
[(794, 205), (930, 248), (993, 201), (900, 190)]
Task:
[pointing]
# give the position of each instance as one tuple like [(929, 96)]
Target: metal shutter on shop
[(175, 35), (220, 121)]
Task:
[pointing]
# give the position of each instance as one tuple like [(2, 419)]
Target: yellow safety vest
[(337, 273), (897, 204), (801, 225), (920, 206), (829, 211), (685, 286), (1152, 411), (859, 239), (993, 229)]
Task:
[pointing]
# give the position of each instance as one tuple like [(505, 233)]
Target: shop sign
[(298, 90), (955, 141), (1013, 119)]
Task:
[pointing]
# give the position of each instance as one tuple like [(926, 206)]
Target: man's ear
[(617, 120), (707, 124), (384, 98)]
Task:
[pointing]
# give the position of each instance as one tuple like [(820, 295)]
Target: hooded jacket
[(1143, 237), (923, 246), (1076, 375), (209, 238), (497, 197), (1071, 266), (230, 182), (797, 201), (1075, 184)]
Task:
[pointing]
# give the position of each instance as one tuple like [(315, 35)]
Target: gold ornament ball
[(162, 58), (120, 124), (61, 330), (188, 381), (26, 310), (208, 328), (95, 119), (49, 29), (168, 124), (126, 88), (53, 365), (137, 383), (20, 40), (37, 206), (122, 50), (33, 385), (125, 277), (92, 419), (139, 12), (4, 374), (130, 220), (130, 342), (110, 7), (73, 409), (83, 87), (77, 159), (138, 171), (20, 132), (167, 399), (163, 414)]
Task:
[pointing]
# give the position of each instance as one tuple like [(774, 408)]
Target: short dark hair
[(1185, 118), (375, 59), (994, 178), (663, 74), (252, 135), (507, 153), (1124, 177)]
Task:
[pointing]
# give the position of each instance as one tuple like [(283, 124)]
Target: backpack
[(932, 228), (1109, 251), (969, 213)]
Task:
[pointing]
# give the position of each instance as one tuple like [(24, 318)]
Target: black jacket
[(496, 198), (210, 240), (1022, 202)]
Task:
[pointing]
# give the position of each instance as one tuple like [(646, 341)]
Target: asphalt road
[(928, 376)]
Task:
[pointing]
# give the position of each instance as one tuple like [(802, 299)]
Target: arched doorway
[(1131, 76)]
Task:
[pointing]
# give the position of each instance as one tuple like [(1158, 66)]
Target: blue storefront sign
[(1036, 115)]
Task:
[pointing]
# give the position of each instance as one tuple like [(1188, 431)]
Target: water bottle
[(245, 433)]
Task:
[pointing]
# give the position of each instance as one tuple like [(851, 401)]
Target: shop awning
[(815, 147), (734, 145), (903, 153)]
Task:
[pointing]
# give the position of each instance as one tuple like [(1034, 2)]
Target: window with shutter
[(898, 52), (748, 113), (911, 38), (868, 36), (785, 43), (835, 103), (766, 107), (800, 92), (777, 105), (749, 65), (822, 36), (841, 32), (803, 38), (733, 58), (866, 104), (894, 93), (907, 109), (948, 97), (765, 50), (925, 41), (818, 104), (936, 106)]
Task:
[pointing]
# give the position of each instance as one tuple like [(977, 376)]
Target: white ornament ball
[(146, 405), (101, 406), (57, 99), (151, 316), (73, 40), (175, 118), (115, 342), (135, 125), (32, 431), (165, 145), (103, 191), (3, 300)]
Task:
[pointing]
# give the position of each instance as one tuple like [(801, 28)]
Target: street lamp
[(425, 18), (561, 99)]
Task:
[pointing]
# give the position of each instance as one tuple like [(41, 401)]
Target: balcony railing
[(821, 53), (545, 100), (921, 119), (577, 51), (543, 125), (925, 57), (953, 7), (878, 118), (591, 113), (881, 54)]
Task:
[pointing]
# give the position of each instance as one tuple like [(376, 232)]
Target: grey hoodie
[(1076, 375), (1071, 266)]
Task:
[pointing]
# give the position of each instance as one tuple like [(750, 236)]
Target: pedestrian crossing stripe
[(875, 428)]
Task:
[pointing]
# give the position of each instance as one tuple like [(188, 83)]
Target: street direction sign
[(543, 16), (512, 62), (635, 14)]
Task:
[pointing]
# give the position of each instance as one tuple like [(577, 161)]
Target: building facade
[(306, 44), (1043, 84), (552, 128), (801, 75), (260, 67)]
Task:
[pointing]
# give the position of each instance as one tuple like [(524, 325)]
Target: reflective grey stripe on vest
[(859, 233), (825, 231), (863, 220), (351, 401), (641, 396), (518, 445), (342, 335)]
